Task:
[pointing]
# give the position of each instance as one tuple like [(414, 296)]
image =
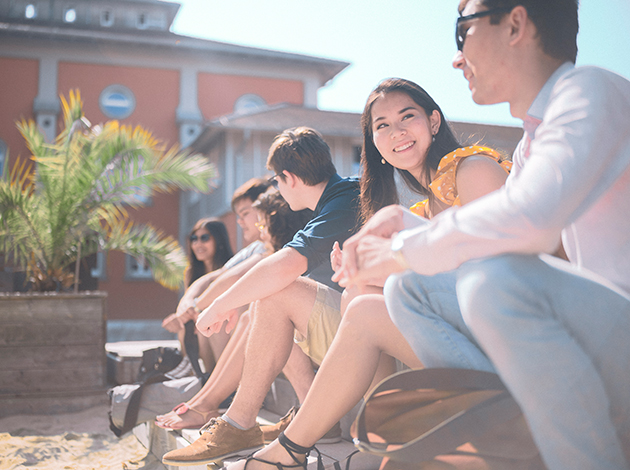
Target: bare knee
[(366, 313)]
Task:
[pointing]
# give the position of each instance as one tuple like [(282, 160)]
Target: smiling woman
[(208, 249), (403, 130)]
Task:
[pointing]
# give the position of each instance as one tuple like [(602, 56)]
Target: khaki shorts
[(322, 324)]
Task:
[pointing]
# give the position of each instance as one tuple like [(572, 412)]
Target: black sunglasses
[(204, 238), (273, 181), (460, 33)]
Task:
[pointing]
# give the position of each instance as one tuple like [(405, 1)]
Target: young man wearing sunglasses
[(555, 331), (293, 295)]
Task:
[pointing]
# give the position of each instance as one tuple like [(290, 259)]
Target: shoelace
[(208, 426)]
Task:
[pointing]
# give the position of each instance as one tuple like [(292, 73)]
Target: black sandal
[(292, 448)]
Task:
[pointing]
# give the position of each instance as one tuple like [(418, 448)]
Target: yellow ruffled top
[(444, 186)]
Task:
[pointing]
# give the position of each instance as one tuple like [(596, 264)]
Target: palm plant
[(72, 202)]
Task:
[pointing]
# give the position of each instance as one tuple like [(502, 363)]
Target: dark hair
[(282, 222), (303, 152), (378, 187), (556, 22), (250, 190), (222, 249)]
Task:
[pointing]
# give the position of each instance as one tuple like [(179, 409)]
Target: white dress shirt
[(572, 180)]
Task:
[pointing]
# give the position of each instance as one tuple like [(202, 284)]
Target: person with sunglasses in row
[(208, 249), (277, 224), (201, 272), (555, 331)]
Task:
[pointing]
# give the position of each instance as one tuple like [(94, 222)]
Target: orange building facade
[(128, 65)]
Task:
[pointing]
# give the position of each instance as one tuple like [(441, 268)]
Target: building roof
[(284, 115), (52, 28), (276, 118)]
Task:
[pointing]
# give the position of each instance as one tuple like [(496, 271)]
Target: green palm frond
[(77, 192), (163, 254)]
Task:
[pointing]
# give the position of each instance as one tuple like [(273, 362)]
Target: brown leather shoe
[(219, 440), (272, 431)]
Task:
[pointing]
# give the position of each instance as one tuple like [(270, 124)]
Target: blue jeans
[(426, 311), (559, 338)]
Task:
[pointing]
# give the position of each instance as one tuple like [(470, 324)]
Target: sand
[(73, 441)]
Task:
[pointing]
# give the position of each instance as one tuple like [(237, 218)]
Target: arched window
[(69, 15), (30, 12), (248, 103), (107, 18)]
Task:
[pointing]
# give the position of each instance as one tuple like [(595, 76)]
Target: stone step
[(159, 441), (124, 360)]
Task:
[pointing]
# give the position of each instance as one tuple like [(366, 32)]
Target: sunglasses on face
[(460, 31), (273, 181), (204, 238)]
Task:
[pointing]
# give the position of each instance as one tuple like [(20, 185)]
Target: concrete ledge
[(279, 399), (159, 441)]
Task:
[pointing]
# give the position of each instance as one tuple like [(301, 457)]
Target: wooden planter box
[(52, 350)]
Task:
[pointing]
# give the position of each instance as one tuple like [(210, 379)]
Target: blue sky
[(412, 39)]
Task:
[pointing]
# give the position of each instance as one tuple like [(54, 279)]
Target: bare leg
[(299, 371), (269, 344), (210, 349), (365, 332), (223, 380), (386, 367), (227, 373), (387, 364)]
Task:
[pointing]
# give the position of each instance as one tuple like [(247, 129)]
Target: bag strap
[(337, 463), (191, 343), (452, 432), (441, 379), (133, 407)]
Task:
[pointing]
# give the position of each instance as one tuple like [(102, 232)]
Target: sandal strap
[(292, 447), (278, 465)]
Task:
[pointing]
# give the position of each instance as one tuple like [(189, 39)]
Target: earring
[(433, 137), (383, 161)]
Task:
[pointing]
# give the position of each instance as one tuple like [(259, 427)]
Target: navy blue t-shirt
[(334, 219)]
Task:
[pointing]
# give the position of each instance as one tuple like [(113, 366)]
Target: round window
[(117, 102)]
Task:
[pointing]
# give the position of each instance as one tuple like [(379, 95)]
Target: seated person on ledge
[(436, 166), (555, 331), (208, 249), (201, 276), (277, 225), (292, 292)]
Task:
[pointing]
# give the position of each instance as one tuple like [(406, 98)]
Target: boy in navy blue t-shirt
[(294, 299)]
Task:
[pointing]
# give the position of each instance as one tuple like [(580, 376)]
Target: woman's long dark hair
[(222, 249), (378, 187)]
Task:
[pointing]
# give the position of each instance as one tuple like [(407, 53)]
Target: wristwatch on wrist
[(195, 308), (397, 254)]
